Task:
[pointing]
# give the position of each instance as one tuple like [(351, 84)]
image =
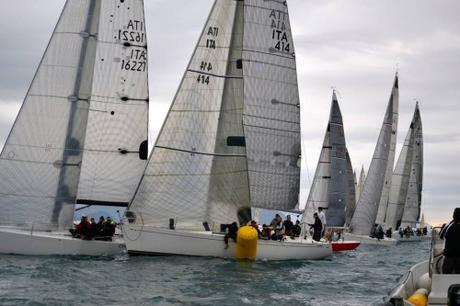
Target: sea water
[(360, 277)]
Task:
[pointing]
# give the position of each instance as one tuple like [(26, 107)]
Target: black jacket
[(451, 233)]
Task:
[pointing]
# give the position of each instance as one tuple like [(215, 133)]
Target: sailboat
[(365, 214), (230, 141), (333, 185), (406, 188), (80, 135)]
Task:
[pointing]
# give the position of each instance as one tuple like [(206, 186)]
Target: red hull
[(339, 246)]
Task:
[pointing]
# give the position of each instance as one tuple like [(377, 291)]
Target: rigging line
[(201, 153)]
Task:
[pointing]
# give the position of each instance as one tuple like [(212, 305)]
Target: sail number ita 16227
[(132, 65)]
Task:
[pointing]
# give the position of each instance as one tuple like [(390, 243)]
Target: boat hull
[(339, 246), (368, 240), (22, 242), (159, 241)]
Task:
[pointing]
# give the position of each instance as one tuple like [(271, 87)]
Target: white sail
[(351, 192), (115, 150), (231, 139), (400, 181), (271, 105), (330, 186), (70, 95), (380, 219), (360, 185), (413, 201), (177, 180), (367, 206)]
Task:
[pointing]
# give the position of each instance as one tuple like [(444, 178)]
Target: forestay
[(73, 87), (363, 219)]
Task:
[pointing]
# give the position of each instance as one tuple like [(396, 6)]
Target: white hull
[(26, 242), (159, 241), (368, 240)]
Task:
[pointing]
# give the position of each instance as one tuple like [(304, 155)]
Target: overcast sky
[(353, 45)]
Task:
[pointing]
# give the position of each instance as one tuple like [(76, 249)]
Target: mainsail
[(363, 219), (380, 219), (411, 213), (331, 184), (231, 139), (403, 172), (79, 102)]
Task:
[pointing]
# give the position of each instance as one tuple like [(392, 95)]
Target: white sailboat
[(333, 187), (230, 141), (79, 137), (406, 191), (365, 214)]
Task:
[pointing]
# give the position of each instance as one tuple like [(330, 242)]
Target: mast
[(363, 219), (381, 213)]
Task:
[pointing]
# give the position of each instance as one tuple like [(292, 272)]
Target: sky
[(355, 46)]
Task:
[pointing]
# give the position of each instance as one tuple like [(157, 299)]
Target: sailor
[(317, 227), (277, 224), (232, 230), (389, 232), (288, 225), (451, 234), (322, 217), (296, 229), (82, 229), (379, 232)]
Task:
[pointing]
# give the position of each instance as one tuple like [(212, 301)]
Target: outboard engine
[(453, 295)]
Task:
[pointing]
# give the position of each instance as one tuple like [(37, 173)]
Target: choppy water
[(361, 277)]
